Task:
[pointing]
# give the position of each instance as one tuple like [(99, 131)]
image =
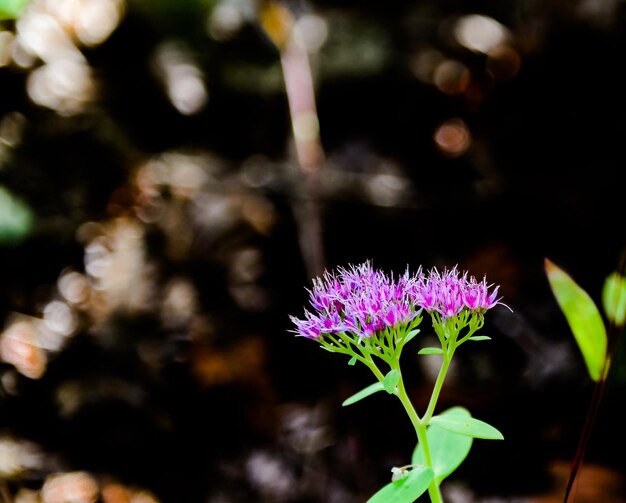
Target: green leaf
[(365, 392), (391, 380), (430, 351), (465, 425), (447, 449), (352, 360), (12, 9), (614, 298), (407, 489), (16, 217), (583, 317), (480, 338), (411, 334)]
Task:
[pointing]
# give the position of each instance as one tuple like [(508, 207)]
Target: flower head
[(450, 292), (359, 300), (364, 301)]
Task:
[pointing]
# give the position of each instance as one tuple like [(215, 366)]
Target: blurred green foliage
[(11, 9), (16, 218)]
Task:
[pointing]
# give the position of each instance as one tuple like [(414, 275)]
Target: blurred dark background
[(174, 173)]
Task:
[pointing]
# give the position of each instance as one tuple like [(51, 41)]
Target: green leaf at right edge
[(614, 298), (447, 450), (583, 317), (12, 9), (407, 489), (365, 392)]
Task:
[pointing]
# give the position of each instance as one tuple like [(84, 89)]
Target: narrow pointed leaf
[(465, 425), (480, 338), (583, 317), (614, 298), (430, 351), (447, 449), (407, 489), (365, 392), (352, 360), (391, 381), (411, 334)]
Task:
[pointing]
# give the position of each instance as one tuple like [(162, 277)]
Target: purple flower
[(450, 292), (360, 300), (363, 301)]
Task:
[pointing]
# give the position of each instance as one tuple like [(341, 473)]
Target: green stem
[(372, 366), (447, 358), (420, 430)]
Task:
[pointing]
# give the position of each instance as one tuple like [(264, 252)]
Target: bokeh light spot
[(6, 43), (311, 32), (60, 318), (19, 347), (73, 487), (503, 62), (451, 77), (480, 33), (424, 64), (181, 78), (453, 138)]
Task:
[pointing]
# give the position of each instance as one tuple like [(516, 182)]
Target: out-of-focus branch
[(281, 27), (5, 494)]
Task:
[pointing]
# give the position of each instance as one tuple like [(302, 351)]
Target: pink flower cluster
[(450, 292), (364, 301)]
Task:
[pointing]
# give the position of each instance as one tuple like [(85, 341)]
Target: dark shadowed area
[(174, 173)]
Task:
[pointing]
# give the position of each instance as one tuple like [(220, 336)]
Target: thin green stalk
[(372, 366), (420, 430), (447, 358), (420, 426)]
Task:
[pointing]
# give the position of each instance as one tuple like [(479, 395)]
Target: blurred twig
[(5, 494), (280, 26)]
